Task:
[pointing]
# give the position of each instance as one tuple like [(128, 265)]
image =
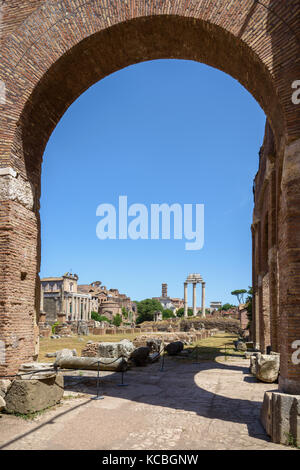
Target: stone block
[(114, 350), (82, 328), (29, 396), (174, 348), (2, 403), (267, 368), (240, 346), (252, 356), (280, 416), (266, 413), (140, 356), (65, 353), (4, 386)]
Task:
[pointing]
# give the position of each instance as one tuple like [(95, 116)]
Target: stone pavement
[(211, 405)]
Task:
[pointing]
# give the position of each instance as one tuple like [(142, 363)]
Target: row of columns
[(194, 299), (80, 307)]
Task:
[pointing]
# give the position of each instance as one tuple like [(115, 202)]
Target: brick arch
[(53, 51), (128, 43), (233, 39)]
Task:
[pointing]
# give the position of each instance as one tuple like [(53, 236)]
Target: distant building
[(168, 302), (110, 301), (61, 300), (215, 305)]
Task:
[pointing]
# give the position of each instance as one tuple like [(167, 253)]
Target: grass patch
[(48, 345), (30, 416), (207, 349), (291, 441), (219, 346)]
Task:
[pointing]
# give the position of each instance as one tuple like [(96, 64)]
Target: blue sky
[(166, 131)]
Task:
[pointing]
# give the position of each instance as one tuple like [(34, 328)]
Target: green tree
[(167, 313), (249, 304), (180, 312), (146, 309), (227, 307), (239, 293), (124, 312), (117, 320), (95, 316), (104, 318)]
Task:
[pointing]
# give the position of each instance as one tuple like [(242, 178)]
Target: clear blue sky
[(162, 131)]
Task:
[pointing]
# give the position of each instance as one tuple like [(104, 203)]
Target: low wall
[(186, 324)]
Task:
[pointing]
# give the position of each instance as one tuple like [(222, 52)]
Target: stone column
[(185, 300), (194, 299), (73, 307), (62, 298), (42, 298), (86, 309), (203, 300)]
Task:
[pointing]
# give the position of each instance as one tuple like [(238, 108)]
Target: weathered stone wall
[(43, 42), (196, 323), (51, 307), (222, 324)]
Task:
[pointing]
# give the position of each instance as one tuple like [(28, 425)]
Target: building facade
[(169, 303), (110, 301), (62, 301)]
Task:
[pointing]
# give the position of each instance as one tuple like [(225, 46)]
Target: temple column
[(194, 299), (185, 300), (73, 307), (203, 300), (42, 299)]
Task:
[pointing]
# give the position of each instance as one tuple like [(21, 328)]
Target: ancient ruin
[(110, 301), (171, 303), (43, 42), (194, 279), (61, 300)]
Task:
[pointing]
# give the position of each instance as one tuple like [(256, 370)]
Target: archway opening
[(165, 131)]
